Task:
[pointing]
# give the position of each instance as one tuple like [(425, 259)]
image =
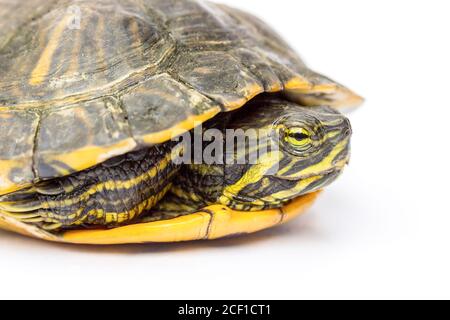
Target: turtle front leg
[(112, 194)]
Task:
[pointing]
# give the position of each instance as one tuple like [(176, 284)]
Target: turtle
[(98, 100)]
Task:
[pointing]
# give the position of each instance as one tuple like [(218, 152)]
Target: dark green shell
[(83, 81)]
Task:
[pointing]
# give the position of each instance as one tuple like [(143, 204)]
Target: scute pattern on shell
[(132, 75)]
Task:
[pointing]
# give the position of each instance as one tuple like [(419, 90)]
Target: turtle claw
[(21, 206), (23, 216), (52, 227), (33, 220), (49, 190), (18, 196), (44, 188)]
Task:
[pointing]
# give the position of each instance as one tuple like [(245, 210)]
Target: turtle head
[(305, 149)]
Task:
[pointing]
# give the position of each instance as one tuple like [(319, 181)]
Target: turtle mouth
[(323, 174), (314, 182), (318, 182), (337, 168)]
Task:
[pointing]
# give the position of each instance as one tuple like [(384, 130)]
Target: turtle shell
[(84, 81)]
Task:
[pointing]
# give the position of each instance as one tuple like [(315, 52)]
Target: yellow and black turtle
[(92, 94)]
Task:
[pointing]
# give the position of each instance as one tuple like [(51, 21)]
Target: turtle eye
[(299, 138)]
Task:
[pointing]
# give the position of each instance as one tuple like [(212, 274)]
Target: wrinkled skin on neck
[(297, 150)]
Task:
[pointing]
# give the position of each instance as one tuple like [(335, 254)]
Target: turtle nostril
[(348, 130)]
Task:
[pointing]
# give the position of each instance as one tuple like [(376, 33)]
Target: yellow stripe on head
[(325, 165)]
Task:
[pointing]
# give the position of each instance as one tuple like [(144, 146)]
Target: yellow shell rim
[(210, 223)]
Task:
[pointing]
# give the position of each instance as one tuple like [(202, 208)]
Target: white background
[(382, 231)]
